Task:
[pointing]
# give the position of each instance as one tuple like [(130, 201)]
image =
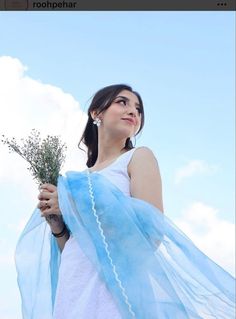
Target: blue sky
[(182, 64)]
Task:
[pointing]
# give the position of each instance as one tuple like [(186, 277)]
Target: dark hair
[(100, 102)]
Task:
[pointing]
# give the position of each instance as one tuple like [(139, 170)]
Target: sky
[(183, 66)]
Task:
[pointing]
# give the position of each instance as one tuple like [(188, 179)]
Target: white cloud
[(26, 103), (194, 167), (18, 227), (210, 232), (7, 259), (8, 241)]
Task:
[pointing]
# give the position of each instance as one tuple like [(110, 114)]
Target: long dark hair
[(100, 102)]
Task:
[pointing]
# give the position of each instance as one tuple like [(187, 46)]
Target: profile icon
[(16, 4)]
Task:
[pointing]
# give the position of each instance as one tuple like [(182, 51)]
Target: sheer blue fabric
[(152, 269)]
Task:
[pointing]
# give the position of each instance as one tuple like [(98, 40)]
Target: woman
[(119, 256)]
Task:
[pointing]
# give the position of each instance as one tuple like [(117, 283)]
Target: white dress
[(77, 272)]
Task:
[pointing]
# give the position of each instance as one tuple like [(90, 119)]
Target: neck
[(109, 149)]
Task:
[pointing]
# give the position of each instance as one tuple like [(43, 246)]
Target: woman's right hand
[(49, 207)]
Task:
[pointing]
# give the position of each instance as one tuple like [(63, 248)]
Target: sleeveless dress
[(77, 272)]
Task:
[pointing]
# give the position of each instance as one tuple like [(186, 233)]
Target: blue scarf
[(151, 268)]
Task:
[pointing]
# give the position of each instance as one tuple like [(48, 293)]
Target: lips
[(130, 120)]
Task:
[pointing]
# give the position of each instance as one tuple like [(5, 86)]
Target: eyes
[(124, 102)]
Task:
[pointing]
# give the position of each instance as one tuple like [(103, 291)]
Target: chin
[(125, 133)]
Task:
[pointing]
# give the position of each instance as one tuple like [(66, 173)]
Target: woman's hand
[(49, 207), (48, 200)]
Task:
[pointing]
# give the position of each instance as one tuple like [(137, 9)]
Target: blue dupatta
[(152, 269)]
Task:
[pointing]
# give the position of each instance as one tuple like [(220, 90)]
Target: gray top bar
[(119, 5)]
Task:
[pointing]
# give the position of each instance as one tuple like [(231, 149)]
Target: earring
[(97, 121)]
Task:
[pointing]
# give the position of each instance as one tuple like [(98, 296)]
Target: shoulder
[(142, 157), (145, 178)]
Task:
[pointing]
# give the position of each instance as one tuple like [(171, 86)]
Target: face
[(123, 116)]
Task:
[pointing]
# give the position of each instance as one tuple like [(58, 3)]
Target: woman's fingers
[(49, 207), (43, 204), (48, 200), (48, 187), (45, 208), (44, 195)]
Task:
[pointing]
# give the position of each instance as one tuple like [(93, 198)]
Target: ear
[(93, 114)]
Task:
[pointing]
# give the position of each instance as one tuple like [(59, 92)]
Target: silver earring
[(97, 121)]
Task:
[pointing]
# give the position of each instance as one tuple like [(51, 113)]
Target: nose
[(134, 115), (132, 111)]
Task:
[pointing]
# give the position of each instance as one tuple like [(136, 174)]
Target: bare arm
[(145, 177), (57, 225)]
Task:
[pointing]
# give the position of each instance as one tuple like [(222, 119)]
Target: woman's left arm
[(145, 177)]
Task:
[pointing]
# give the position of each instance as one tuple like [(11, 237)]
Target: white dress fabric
[(77, 272)]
